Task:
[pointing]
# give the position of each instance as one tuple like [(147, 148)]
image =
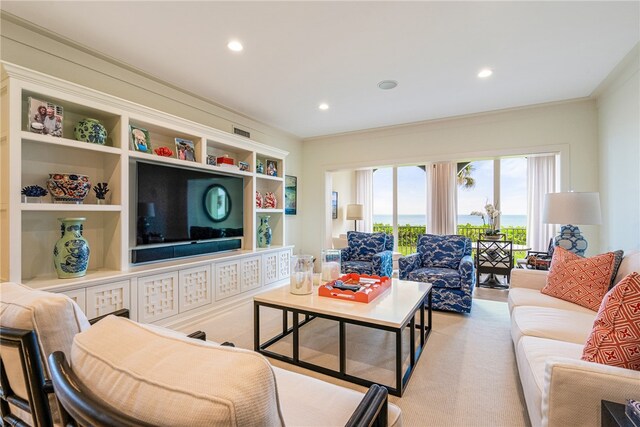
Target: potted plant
[(491, 229)]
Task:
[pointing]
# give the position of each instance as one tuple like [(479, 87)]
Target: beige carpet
[(466, 377)]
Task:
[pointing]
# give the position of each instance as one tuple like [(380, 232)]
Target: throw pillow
[(615, 338), (582, 281), (363, 246), (619, 254)]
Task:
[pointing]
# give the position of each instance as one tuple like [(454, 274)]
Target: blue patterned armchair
[(368, 253), (446, 263)]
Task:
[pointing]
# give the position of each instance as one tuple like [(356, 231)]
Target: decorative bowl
[(90, 130), (68, 187)]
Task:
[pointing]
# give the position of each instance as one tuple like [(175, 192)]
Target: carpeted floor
[(467, 375)]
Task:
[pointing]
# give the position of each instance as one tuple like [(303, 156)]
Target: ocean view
[(505, 220)]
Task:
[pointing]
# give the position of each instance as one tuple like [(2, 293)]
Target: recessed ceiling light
[(235, 46), (323, 106), (387, 84), (485, 72)]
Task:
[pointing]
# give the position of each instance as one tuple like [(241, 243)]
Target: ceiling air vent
[(241, 132)]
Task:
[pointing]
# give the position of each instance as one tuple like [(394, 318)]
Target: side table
[(612, 415)]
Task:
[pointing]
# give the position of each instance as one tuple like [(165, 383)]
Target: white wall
[(569, 128), (31, 47), (618, 105), (344, 183)]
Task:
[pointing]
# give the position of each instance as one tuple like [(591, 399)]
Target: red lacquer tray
[(370, 288)]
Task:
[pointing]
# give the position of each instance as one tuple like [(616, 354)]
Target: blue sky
[(412, 185)]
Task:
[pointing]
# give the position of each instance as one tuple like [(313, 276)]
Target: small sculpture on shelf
[(259, 201), (101, 191), (259, 166), (243, 166), (33, 193), (270, 201), (163, 151)]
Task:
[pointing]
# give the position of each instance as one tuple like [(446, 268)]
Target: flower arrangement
[(101, 190), (492, 218), (34, 191)]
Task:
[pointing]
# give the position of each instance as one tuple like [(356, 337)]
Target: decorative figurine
[(270, 201), (101, 191), (259, 200), (164, 152), (32, 193)]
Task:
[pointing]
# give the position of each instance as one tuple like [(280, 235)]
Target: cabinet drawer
[(284, 264), (196, 286), (79, 296), (227, 279), (157, 297), (251, 269), (107, 298), (270, 268)]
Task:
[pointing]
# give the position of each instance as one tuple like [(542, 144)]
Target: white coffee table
[(392, 311)]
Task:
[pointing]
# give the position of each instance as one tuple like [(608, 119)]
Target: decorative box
[(225, 160), (368, 287)]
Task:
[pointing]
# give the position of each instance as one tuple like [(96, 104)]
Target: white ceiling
[(298, 54)]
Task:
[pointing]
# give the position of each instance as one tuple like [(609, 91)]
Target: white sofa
[(548, 336)]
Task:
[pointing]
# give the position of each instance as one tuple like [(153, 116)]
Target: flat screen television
[(176, 205)]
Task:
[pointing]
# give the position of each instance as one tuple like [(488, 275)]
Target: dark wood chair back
[(20, 346), (494, 257)]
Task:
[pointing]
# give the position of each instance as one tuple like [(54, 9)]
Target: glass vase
[(330, 265), (301, 280)]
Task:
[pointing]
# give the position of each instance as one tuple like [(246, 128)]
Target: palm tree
[(465, 180)]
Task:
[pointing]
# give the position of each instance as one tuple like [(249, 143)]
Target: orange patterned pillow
[(582, 281), (615, 338)]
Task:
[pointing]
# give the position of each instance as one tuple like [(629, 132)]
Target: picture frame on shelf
[(185, 150), (211, 160), (290, 195), (272, 167), (334, 205), (140, 139), (45, 117)]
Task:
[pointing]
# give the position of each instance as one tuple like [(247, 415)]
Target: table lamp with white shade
[(355, 212), (571, 209)]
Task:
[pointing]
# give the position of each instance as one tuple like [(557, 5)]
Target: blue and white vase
[(264, 232), (90, 130), (71, 252)]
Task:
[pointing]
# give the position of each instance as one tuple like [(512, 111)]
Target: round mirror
[(217, 203)]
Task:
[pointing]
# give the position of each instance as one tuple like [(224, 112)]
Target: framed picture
[(290, 195), (272, 167), (211, 160), (45, 117), (334, 205), (185, 149), (140, 139)]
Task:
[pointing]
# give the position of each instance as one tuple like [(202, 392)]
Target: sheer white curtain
[(442, 198), (364, 197), (541, 179)]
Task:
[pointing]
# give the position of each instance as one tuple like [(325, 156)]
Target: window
[(410, 214), (502, 182)]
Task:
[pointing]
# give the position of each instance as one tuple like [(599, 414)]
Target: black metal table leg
[(256, 326), (296, 337), (399, 375), (343, 348)]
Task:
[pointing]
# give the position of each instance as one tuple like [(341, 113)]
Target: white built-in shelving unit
[(165, 291)]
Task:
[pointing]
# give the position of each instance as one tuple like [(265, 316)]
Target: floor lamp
[(568, 209), (355, 212)]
